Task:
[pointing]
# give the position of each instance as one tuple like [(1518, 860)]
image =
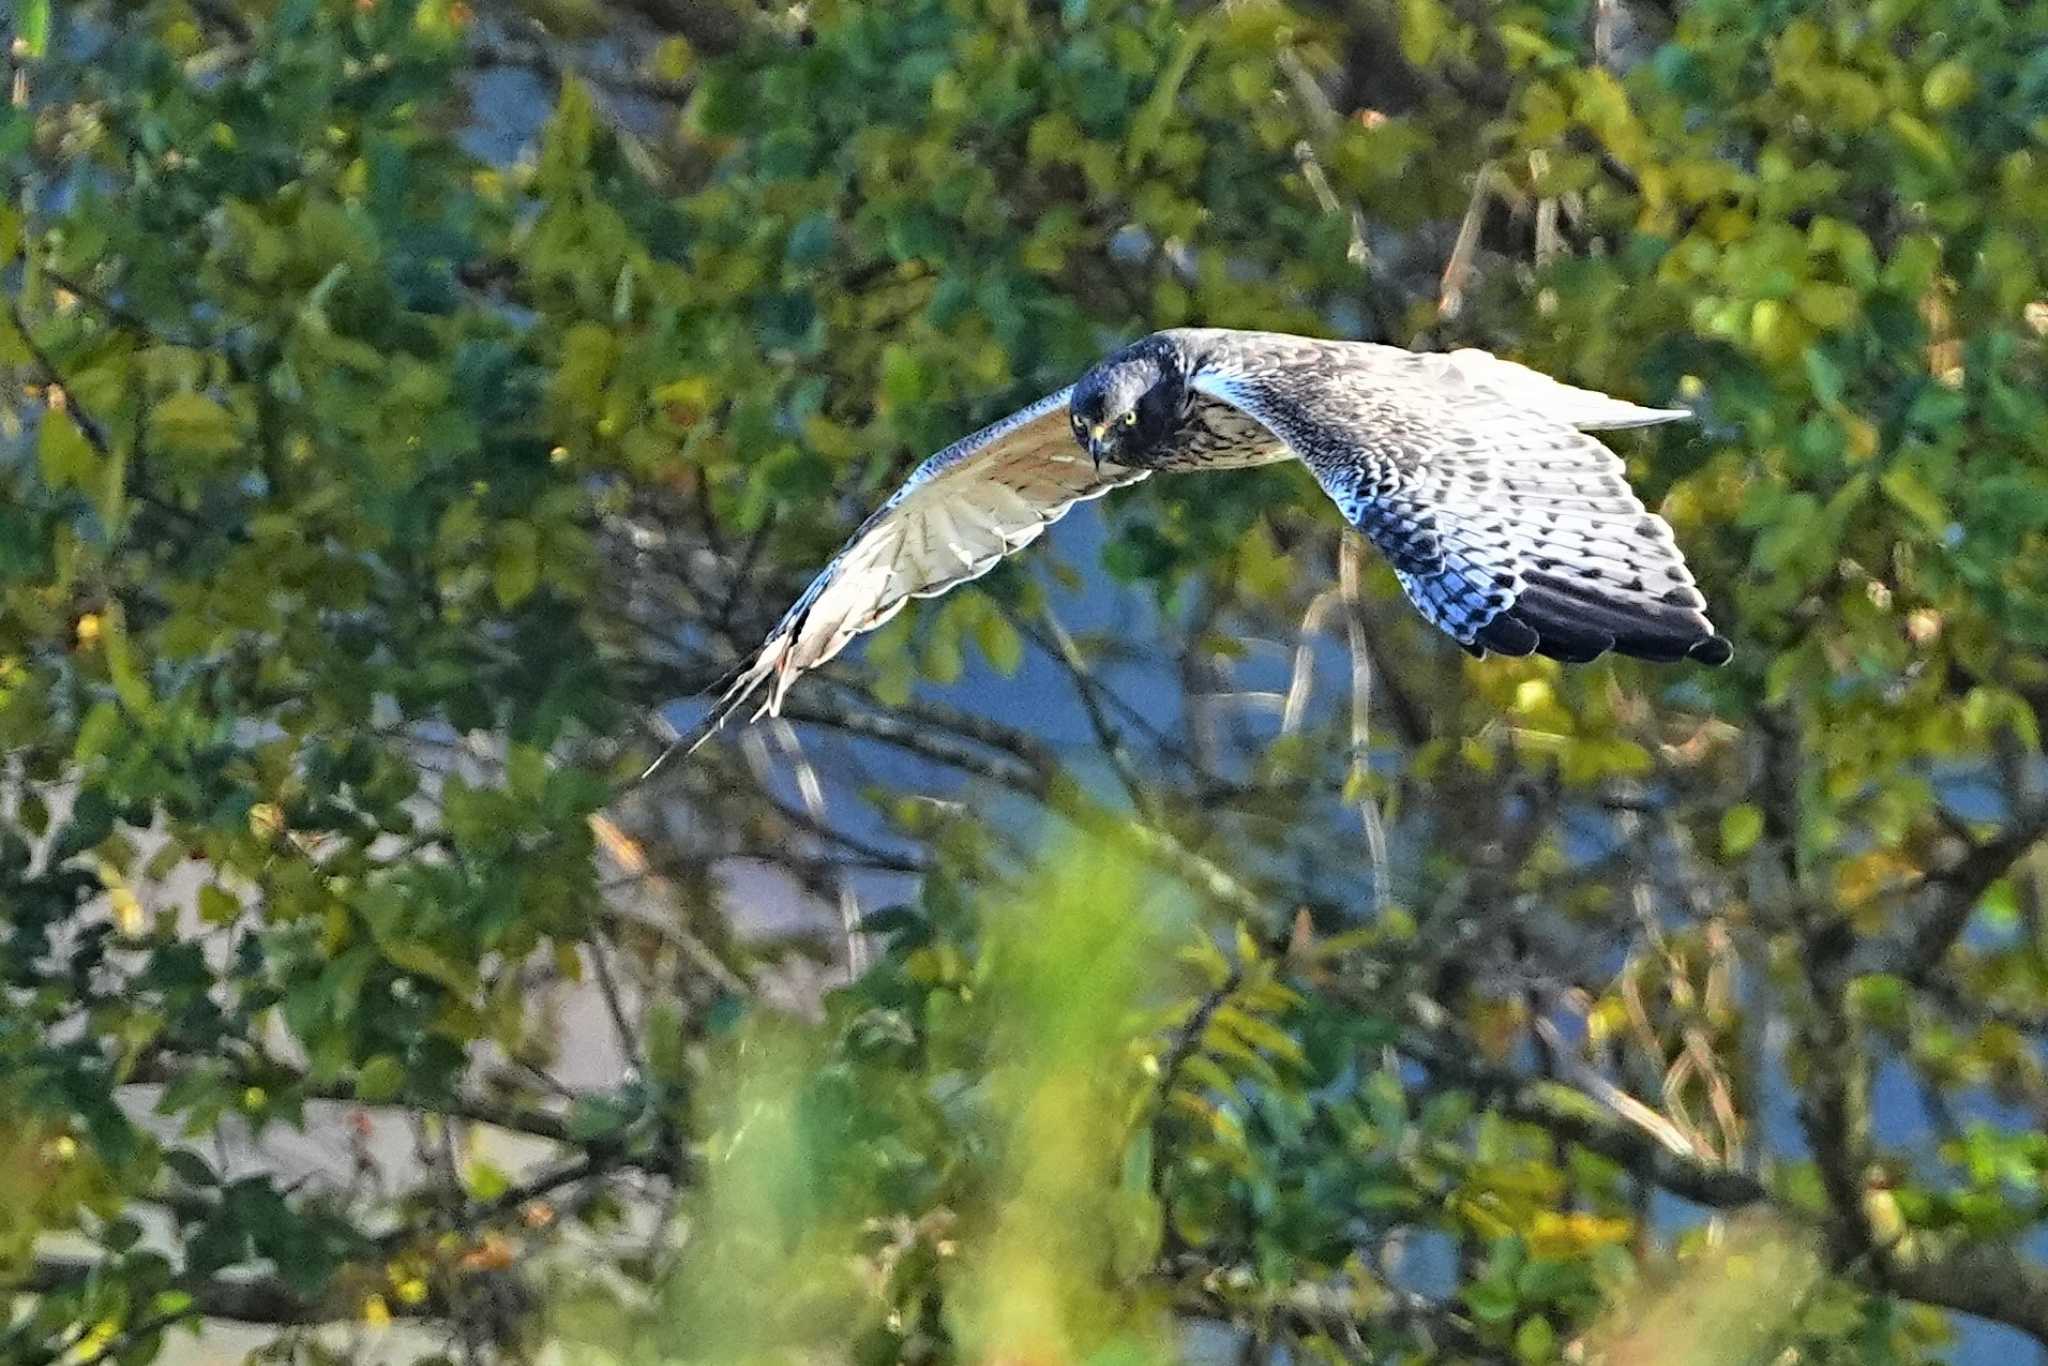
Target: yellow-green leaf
[(129, 684), (999, 641), (1741, 827), (1921, 138), (1908, 490), (217, 906), (67, 459), (193, 425), (1948, 85), (382, 1078)]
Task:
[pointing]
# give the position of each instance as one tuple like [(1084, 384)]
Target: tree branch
[(543, 60), (711, 27), (255, 1299), (157, 1070), (1990, 1282), (1962, 887)]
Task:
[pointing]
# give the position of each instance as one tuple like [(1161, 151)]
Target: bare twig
[(1584, 1121), (1458, 266), (614, 1001), (1673, 1137), (1350, 570), (1086, 688)]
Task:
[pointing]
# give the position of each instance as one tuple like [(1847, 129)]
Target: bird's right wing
[(954, 519), (1509, 528)]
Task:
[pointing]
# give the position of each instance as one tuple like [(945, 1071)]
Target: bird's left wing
[(954, 518)]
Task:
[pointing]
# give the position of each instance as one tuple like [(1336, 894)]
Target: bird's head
[(1128, 405)]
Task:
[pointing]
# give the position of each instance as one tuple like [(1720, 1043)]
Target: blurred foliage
[(368, 476), (1003, 1156)]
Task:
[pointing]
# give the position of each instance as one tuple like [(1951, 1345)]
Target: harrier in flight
[(1510, 528)]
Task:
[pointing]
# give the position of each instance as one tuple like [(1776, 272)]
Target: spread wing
[(1509, 528), (954, 518), (1471, 373)]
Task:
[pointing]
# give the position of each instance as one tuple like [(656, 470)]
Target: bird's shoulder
[(1227, 351)]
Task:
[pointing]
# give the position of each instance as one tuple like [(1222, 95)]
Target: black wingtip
[(1574, 622), (1506, 635), (1714, 651)]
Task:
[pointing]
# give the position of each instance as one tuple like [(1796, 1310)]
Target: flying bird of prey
[(1510, 528)]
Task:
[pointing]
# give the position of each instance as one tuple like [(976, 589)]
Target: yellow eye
[(1131, 418)]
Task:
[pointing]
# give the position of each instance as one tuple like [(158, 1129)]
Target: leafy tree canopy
[(407, 399)]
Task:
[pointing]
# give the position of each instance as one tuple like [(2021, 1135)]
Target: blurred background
[(1165, 948)]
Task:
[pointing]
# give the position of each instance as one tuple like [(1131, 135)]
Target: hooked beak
[(1098, 443)]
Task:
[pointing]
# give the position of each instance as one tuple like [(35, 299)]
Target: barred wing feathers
[(954, 519), (1509, 528)]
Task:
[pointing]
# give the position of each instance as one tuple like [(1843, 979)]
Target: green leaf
[(1492, 1300), (171, 1305), (599, 1117), (485, 1180), (381, 1079), (1921, 139), (941, 658), (190, 1168), (65, 456), (588, 353), (99, 732), (388, 918), (1160, 106), (218, 906), (1948, 85), (1825, 305), (193, 425), (515, 563), (1904, 486), (1913, 263), (903, 378), (1535, 1340), (34, 33), (1000, 642), (129, 684), (1883, 999), (1741, 827)]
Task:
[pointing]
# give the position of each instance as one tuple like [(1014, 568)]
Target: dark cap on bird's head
[(1130, 403)]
